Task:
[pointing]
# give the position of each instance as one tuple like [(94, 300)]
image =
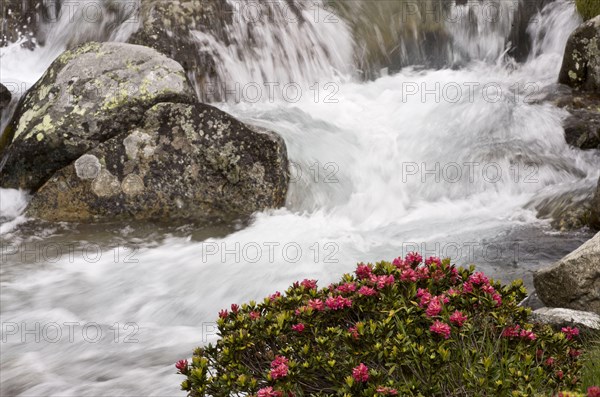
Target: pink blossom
[(408, 275), (413, 258), (488, 289), (364, 271), (269, 392), (182, 366), (549, 361), (298, 327), (569, 332), (559, 374), (354, 332), (452, 292), (467, 287), (279, 367), (366, 291), (511, 332), (423, 273), (223, 314), (316, 304), (235, 308), (441, 328), (438, 275), (275, 296), (347, 288), (382, 281), (400, 264), (433, 260), (338, 302), (498, 298), (425, 299), (386, 391), (458, 318), (434, 308), (254, 315), (574, 353), (479, 278), (361, 373), (309, 284), (593, 391), (526, 334)]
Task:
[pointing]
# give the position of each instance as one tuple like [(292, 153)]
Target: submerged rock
[(581, 64), (191, 162), (573, 282), (87, 96)]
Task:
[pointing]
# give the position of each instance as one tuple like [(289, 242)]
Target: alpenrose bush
[(406, 328)]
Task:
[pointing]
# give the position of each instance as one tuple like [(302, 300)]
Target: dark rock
[(5, 97), (574, 281), (87, 96), (191, 162), (594, 221), (581, 64)]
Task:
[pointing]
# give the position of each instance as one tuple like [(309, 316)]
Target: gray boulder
[(573, 282), (88, 95), (581, 64), (188, 162), (558, 318), (594, 221)]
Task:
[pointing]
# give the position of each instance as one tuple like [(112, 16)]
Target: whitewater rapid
[(450, 162)]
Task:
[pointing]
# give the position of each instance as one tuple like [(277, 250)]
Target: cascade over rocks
[(114, 131)]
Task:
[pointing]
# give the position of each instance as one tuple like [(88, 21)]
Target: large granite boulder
[(189, 162), (87, 96), (573, 282), (581, 64)]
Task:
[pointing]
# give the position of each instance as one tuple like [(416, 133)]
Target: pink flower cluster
[(458, 318), (569, 332), (382, 281), (364, 271), (440, 328), (516, 332), (347, 288), (367, 291), (361, 373), (338, 302), (386, 391), (182, 366), (593, 391), (279, 367), (309, 284), (298, 327), (269, 392)]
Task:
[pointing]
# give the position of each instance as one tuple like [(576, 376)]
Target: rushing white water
[(451, 161)]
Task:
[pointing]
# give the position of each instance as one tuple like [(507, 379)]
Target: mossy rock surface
[(87, 96), (588, 8), (184, 162)]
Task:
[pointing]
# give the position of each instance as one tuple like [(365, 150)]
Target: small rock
[(558, 318)]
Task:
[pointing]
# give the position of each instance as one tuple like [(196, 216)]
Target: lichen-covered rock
[(87, 96), (190, 162), (573, 282), (5, 97), (581, 64)]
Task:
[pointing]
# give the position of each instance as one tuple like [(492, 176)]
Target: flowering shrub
[(406, 328)]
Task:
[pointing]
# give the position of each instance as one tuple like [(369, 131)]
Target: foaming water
[(450, 162)]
